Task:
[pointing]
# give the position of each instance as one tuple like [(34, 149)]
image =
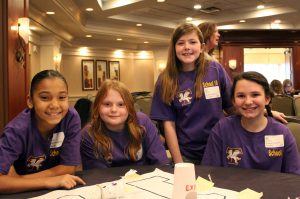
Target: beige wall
[(136, 74), (138, 69)]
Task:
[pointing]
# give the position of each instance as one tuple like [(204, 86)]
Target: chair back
[(295, 129), (144, 103), (83, 106), (284, 104), (297, 106)]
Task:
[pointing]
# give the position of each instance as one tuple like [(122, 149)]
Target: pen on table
[(209, 177)]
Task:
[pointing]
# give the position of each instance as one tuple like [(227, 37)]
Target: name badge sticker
[(272, 141), (212, 92), (57, 140)]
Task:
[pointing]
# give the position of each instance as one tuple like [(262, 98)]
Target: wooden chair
[(297, 106), (284, 104), (295, 129)]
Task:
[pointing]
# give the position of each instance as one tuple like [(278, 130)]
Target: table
[(273, 185)]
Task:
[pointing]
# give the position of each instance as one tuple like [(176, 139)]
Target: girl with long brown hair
[(118, 135)]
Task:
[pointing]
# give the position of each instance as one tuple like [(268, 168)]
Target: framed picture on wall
[(88, 76), (114, 70), (101, 72)]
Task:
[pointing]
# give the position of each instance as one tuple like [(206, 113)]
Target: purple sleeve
[(70, 152), (155, 151), (87, 150), (226, 85), (10, 149), (291, 158), (213, 151), (160, 110)]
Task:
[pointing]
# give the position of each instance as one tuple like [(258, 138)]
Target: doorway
[(273, 63)]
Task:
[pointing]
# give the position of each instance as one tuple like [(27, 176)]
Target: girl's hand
[(279, 116), (66, 181)]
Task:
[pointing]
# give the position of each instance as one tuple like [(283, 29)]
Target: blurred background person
[(276, 87)]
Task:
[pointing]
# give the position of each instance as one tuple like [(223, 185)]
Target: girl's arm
[(13, 183), (172, 142), (54, 171)]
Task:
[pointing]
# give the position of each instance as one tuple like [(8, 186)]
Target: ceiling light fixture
[(197, 6), (160, 1), (89, 9), (88, 35), (242, 21), (277, 21), (50, 13), (139, 24), (260, 7), (189, 19), (119, 39), (146, 42)]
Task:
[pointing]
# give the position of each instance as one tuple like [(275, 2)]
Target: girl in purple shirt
[(117, 135), (252, 140), (39, 148)]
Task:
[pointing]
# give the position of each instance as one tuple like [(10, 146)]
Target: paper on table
[(202, 184), (90, 192), (249, 194)]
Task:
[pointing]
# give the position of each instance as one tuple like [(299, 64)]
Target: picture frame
[(102, 72), (87, 74), (114, 70)]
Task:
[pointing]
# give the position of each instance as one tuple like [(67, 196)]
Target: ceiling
[(109, 21)]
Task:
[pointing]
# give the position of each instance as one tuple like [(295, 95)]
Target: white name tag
[(212, 92), (57, 140), (272, 141)]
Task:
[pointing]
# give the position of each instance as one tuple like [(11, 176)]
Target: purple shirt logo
[(185, 97), (35, 163), (233, 155)]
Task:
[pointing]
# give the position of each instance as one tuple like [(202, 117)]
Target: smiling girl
[(117, 135), (40, 147), (252, 140), (190, 95)]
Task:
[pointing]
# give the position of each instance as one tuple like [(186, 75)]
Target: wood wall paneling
[(16, 72), (233, 53), (296, 66)]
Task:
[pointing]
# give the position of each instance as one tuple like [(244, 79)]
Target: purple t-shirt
[(193, 118), (24, 147), (274, 148), (152, 151)]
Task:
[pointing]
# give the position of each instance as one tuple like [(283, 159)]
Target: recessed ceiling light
[(260, 7), (50, 13), (139, 24), (88, 35), (159, 1), (189, 19), (146, 42), (242, 21), (197, 6), (89, 9), (119, 39), (277, 21)]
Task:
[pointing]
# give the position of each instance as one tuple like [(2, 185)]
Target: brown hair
[(169, 77), (103, 143), (207, 29)]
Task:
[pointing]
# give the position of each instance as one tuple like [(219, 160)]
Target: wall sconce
[(161, 66), (22, 39), (23, 28), (57, 60), (232, 64)]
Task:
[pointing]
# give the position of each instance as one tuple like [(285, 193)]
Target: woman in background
[(288, 88), (211, 36)]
